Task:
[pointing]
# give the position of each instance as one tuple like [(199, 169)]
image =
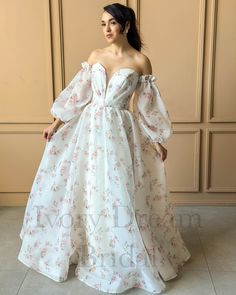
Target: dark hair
[(122, 14)]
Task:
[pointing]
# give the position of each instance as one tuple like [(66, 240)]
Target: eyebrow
[(108, 20)]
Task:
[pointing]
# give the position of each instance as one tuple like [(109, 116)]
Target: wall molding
[(208, 187), (211, 71), (196, 186), (47, 118)]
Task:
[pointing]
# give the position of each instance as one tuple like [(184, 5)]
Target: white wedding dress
[(99, 198)]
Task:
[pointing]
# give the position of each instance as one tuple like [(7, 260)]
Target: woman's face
[(110, 27)]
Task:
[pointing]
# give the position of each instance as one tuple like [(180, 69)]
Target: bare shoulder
[(145, 64), (94, 55)]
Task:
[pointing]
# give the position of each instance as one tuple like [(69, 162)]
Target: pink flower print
[(130, 229), (64, 135), (63, 245), (98, 252), (74, 156), (94, 155), (38, 179), (46, 264), (153, 128), (98, 92), (105, 212), (115, 204), (173, 243), (148, 95), (70, 88), (142, 225), (97, 237), (36, 244), (74, 139), (138, 185), (117, 165), (59, 263), (55, 187), (148, 199), (97, 286), (29, 256), (157, 197), (99, 111), (31, 232), (113, 241), (145, 147), (137, 285), (73, 98), (140, 256), (109, 134), (92, 269), (40, 189), (43, 252), (97, 127), (54, 151), (126, 88), (113, 279), (62, 170), (160, 249)]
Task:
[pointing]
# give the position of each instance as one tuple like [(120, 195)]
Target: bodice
[(117, 91)]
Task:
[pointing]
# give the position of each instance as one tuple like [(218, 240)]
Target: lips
[(109, 35)]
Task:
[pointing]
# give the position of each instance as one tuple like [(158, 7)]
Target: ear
[(127, 25)]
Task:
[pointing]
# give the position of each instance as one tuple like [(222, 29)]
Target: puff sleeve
[(150, 110), (75, 96)]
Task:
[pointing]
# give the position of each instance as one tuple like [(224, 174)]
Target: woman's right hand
[(49, 131), (162, 151)]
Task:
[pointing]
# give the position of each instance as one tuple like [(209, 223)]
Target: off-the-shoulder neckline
[(142, 77)]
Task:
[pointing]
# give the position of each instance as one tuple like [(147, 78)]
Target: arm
[(51, 129), (146, 67), (57, 123)]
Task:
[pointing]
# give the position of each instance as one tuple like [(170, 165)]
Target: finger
[(163, 156)]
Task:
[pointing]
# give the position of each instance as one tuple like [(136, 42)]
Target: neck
[(120, 47)]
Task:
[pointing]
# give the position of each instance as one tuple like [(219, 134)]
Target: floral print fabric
[(99, 198), (151, 111)]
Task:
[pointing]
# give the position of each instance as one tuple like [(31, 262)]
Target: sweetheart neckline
[(142, 77), (107, 82), (120, 69)]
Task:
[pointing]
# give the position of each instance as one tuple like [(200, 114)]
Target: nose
[(108, 29)]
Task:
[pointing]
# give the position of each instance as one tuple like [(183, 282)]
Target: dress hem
[(82, 280), (20, 258), (114, 292), (40, 271), (181, 264)]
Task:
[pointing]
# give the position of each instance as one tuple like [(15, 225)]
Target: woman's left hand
[(161, 150)]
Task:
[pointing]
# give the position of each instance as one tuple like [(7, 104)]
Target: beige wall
[(191, 46)]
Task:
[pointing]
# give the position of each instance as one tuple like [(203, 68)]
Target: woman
[(99, 198)]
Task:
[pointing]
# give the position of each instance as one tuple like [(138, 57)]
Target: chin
[(109, 41)]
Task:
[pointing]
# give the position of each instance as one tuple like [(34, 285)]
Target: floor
[(209, 233)]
